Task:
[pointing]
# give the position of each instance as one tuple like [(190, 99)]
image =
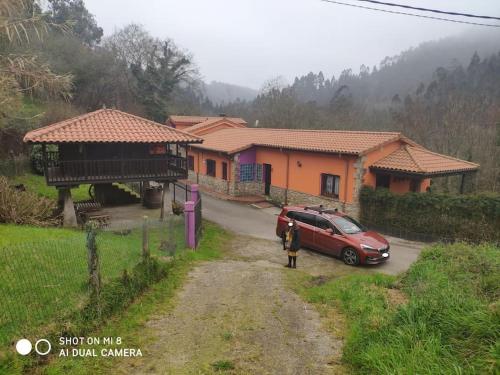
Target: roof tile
[(419, 160), (335, 141), (108, 125)]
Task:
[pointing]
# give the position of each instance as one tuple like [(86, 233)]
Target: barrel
[(152, 197)]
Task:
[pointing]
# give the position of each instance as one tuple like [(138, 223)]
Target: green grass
[(223, 365), (441, 317), (130, 324), (37, 184), (43, 271)]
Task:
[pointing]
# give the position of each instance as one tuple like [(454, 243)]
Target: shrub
[(24, 207), (474, 217)]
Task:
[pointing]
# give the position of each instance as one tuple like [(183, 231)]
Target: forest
[(56, 63)]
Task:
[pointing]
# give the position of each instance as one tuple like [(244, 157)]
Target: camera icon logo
[(42, 347)]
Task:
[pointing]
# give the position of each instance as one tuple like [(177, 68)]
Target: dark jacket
[(295, 244)]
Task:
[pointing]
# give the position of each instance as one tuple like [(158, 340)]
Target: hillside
[(220, 92)]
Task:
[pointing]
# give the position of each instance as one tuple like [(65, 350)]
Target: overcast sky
[(247, 42)]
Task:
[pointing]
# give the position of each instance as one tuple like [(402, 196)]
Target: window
[(415, 185), (330, 185), (246, 172), (191, 162), (305, 218), (290, 214), (224, 170), (383, 181), (322, 223), (210, 167)]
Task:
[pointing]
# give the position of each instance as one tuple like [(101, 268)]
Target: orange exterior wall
[(399, 186), (369, 177), (200, 165), (307, 177)]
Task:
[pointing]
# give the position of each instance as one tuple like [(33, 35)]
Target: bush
[(15, 166), (24, 207), (474, 217)]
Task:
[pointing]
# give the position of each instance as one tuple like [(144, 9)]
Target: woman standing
[(292, 243)]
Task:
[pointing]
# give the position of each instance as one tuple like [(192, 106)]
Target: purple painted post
[(190, 224), (194, 193)]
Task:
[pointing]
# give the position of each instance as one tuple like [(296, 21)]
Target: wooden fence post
[(145, 238), (93, 265)]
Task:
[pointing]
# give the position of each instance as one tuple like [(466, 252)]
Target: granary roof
[(109, 126)]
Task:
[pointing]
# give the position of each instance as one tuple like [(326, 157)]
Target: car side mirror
[(329, 231)]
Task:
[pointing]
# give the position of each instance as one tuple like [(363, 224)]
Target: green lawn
[(37, 184), (441, 317), (43, 271)]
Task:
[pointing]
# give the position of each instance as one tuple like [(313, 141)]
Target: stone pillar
[(69, 214), (166, 201), (190, 226)]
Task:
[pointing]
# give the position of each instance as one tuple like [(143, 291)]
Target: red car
[(334, 233)]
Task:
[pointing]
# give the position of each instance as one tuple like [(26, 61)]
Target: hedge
[(430, 216)]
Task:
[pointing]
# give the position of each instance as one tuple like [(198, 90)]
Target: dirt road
[(237, 312)]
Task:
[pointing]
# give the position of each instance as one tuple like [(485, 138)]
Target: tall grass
[(447, 321)]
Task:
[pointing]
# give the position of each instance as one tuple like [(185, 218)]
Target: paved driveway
[(261, 223)]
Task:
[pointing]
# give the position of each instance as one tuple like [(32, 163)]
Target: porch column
[(69, 214)]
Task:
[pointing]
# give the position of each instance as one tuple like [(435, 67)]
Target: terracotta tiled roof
[(335, 141), (109, 125), (206, 125), (421, 161), (193, 120)]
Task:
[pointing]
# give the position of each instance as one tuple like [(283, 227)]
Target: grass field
[(441, 317), (43, 271), (37, 184)]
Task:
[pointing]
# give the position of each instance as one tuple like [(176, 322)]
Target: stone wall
[(249, 188), (217, 184), (295, 197)]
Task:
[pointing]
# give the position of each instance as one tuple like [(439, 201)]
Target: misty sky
[(247, 42)]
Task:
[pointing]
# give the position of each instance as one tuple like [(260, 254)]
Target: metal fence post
[(190, 224), (194, 193), (145, 238), (93, 264)]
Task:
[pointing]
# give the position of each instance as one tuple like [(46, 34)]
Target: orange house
[(309, 166)]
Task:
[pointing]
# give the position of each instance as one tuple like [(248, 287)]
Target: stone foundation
[(294, 197), (217, 184), (249, 188)]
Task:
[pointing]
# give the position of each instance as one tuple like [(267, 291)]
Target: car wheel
[(350, 256)]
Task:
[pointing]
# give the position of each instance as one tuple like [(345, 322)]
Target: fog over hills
[(220, 92)]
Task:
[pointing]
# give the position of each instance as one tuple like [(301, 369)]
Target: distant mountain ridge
[(224, 93)]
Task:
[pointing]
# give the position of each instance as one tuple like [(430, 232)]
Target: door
[(306, 224), (327, 238), (224, 170), (267, 179)]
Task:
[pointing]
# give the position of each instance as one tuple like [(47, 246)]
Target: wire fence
[(43, 283)]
